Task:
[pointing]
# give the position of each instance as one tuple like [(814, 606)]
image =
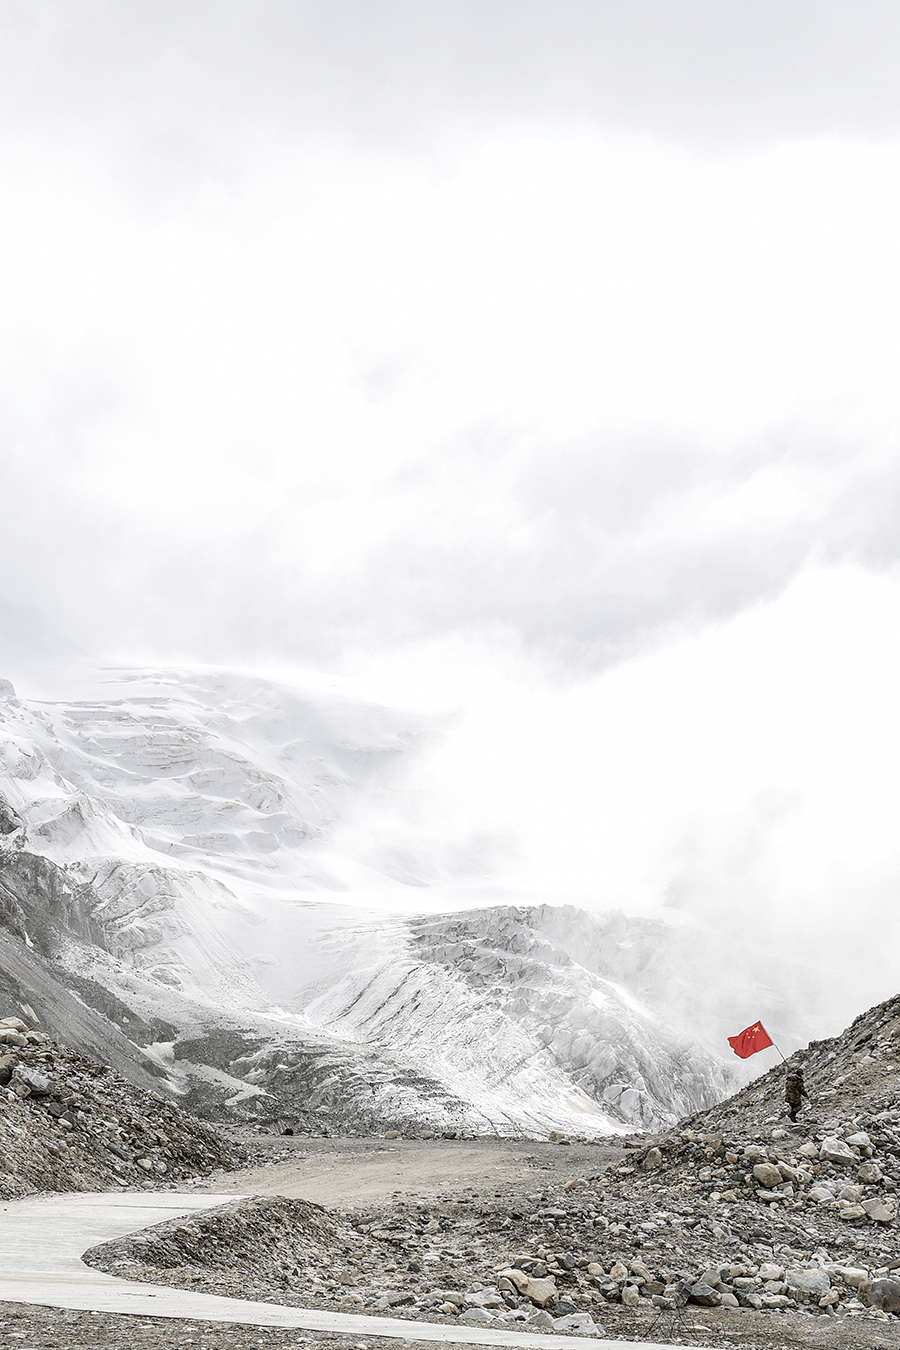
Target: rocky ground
[(68, 1123)]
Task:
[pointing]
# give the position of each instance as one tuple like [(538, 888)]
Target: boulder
[(813, 1281), (859, 1140), (652, 1158), (631, 1296), (878, 1211), (767, 1174), (580, 1321), (540, 1292), (539, 1321), (472, 1316), (485, 1298), (704, 1295), (883, 1294), (834, 1150), (869, 1173), (36, 1084), (769, 1271), (852, 1275), (515, 1277)]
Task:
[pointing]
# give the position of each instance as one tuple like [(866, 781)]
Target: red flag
[(750, 1040)]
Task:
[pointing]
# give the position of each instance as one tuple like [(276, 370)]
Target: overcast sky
[(485, 341)]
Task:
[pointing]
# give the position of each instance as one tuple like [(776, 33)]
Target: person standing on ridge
[(794, 1091)]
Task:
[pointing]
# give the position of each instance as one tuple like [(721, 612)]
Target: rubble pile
[(68, 1123)]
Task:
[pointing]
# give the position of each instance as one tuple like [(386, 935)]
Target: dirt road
[(354, 1173)]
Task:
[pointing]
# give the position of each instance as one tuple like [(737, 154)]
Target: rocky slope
[(70, 1123)]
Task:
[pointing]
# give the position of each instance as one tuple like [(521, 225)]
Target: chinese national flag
[(747, 1042)]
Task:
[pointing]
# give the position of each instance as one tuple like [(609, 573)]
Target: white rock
[(836, 1151), (813, 1281), (575, 1322)]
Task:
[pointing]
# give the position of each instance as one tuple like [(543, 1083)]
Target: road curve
[(42, 1240)]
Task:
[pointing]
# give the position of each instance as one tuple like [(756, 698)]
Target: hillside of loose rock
[(857, 1070), (68, 1123)]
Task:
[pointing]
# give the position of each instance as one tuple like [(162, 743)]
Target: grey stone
[(38, 1084), (883, 1294), (472, 1316), (878, 1211), (704, 1295), (450, 1296), (539, 1321), (484, 1298), (852, 1275)]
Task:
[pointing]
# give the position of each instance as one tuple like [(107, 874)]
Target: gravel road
[(357, 1173)]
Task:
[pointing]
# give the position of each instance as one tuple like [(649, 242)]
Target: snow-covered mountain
[(199, 860)]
